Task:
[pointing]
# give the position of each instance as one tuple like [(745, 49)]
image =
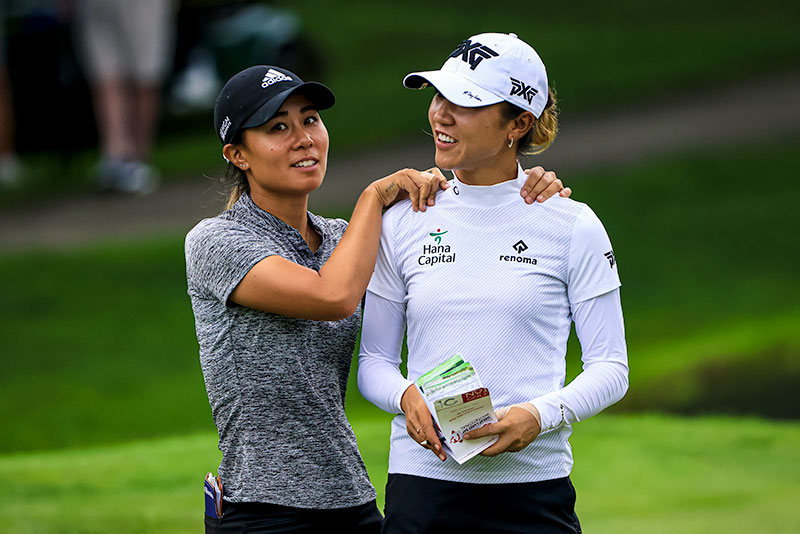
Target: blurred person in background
[(127, 50), (514, 280), (9, 164), (276, 293)]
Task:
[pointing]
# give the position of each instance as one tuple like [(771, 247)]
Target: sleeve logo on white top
[(610, 257)]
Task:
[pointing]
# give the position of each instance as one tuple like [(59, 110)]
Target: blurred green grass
[(99, 342), (644, 473)]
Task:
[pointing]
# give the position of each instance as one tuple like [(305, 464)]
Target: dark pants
[(418, 505), (262, 517)]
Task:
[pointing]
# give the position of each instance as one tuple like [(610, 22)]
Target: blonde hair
[(544, 129)]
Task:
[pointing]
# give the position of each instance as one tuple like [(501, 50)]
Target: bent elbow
[(622, 382), (339, 307)]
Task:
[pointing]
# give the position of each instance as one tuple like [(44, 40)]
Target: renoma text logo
[(438, 253), (473, 53), (520, 247), (525, 91), (273, 76)]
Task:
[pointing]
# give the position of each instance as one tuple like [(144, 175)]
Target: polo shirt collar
[(487, 196), (251, 209)]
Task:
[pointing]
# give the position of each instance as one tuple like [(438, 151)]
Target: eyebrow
[(303, 110)]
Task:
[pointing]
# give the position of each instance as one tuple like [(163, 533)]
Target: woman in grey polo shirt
[(276, 294)]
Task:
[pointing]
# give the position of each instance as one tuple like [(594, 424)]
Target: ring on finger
[(418, 429)]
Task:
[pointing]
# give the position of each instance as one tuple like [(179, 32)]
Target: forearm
[(379, 378), (347, 272), (604, 379)]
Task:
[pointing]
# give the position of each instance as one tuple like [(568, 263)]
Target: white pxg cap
[(486, 69)]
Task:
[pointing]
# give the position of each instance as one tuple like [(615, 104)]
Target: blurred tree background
[(101, 391)]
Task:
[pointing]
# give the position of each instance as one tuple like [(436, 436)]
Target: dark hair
[(237, 179), (544, 129)]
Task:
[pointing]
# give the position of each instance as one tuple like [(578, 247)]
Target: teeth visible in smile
[(304, 163), (446, 138)]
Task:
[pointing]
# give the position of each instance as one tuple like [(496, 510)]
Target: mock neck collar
[(488, 196)]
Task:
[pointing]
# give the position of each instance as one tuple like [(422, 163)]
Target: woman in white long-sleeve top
[(500, 284)]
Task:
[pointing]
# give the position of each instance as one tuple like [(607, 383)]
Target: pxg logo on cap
[(486, 69), (473, 53)]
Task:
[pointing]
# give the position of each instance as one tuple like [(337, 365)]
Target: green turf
[(98, 345), (632, 474), (99, 342)]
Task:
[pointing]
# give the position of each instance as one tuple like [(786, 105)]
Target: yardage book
[(458, 403)]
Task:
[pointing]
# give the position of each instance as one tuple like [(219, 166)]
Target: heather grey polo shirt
[(276, 384)]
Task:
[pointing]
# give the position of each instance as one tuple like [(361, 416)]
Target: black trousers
[(418, 505), (263, 517)]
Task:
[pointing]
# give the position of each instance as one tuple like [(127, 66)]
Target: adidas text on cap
[(486, 69), (253, 96)]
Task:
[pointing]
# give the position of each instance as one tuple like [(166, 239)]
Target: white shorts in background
[(131, 39)]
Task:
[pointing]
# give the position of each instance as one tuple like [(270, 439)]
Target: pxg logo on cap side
[(273, 76), (525, 91), (473, 53)]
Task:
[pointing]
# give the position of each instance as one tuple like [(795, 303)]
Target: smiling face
[(287, 155), (474, 141), (467, 138)]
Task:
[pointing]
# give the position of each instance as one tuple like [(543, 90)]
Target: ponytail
[(238, 182)]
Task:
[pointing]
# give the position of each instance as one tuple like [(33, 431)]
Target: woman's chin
[(444, 163)]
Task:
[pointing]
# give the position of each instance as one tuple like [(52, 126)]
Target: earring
[(511, 142)]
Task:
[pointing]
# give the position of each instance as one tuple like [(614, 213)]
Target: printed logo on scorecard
[(473, 53), (273, 76), (521, 89), (520, 247)]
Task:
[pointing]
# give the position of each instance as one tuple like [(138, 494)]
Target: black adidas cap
[(253, 96)]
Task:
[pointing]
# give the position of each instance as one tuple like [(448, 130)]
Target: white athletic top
[(499, 281)]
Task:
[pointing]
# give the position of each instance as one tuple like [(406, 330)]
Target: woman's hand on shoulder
[(517, 427), (542, 185), (419, 423), (419, 186)]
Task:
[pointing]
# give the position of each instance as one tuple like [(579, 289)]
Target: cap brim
[(319, 95), (454, 87)]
